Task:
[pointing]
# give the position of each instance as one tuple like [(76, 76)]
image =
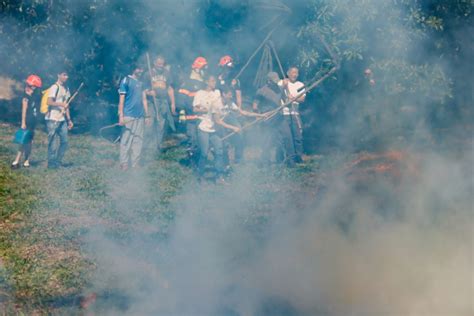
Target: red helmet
[(34, 81), (225, 60), (199, 63)]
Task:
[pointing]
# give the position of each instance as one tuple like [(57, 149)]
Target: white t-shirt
[(212, 102), (62, 95), (293, 88)]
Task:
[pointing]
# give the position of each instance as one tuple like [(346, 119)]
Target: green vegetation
[(46, 214)]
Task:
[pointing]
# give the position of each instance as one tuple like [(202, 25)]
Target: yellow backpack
[(44, 108)]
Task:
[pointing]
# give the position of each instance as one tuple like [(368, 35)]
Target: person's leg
[(150, 131), (27, 151), (237, 140), (52, 127), (125, 143), (137, 130), (297, 133), (63, 141), (216, 143), (16, 162), (193, 149), (285, 140), (203, 139), (267, 142), (160, 133)]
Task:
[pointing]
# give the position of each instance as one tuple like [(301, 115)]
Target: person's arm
[(255, 104), (70, 124), (53, 92), (145, 107), (218, 119), (249, 114), (120, 108), (302, 97), (172, 99), (238, 98), (24, 108)]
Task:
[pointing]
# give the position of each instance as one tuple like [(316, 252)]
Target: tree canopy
[(415, 49)]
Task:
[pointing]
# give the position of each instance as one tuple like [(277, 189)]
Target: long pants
[(292, 135), (269, 139), (205, 141), (131, 141), (155, 134), (193, 146), (237, 140), (55, 152)]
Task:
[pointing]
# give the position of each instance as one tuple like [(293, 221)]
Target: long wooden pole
[(64, 109), (257, 50), (155, 104), (272, 113)]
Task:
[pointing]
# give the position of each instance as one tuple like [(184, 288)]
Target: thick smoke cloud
[(389, 248)]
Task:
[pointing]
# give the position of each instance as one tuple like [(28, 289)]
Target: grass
[(45, 214)]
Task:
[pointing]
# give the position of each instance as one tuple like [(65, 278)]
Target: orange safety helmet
[(199, 63), (34, 81), (225, 60)]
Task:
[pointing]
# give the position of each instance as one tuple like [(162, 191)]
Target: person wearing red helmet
[(186, 94), (30, 103), (226, 67)]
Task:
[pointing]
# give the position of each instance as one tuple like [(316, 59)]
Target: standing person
[(230, 114), (209, 102), (29, 112), (132, 109), (268, 98), (291, 114), (188, 90), (163, 91), (58, 120), (226, 67)]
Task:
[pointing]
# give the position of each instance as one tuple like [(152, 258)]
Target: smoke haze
[(277, 242)]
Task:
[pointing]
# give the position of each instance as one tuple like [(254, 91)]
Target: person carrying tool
[(186, 94), (272, 131), (209, 102), (291, 115), (58, 120), (226, 67), (132, 109), (163, 92), (29, 111), (230, 114)]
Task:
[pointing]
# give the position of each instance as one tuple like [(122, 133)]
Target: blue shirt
[(132, 89)]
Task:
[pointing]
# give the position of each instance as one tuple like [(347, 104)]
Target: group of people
[(57, 117), (210, 106)]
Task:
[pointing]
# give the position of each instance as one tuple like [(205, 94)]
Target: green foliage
[(411, 81)]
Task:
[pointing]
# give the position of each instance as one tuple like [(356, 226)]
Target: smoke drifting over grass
[(266, 246), (278, 242), (236, 251)]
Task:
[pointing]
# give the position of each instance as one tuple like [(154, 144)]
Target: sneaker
[(15, 165), (26, 164)]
